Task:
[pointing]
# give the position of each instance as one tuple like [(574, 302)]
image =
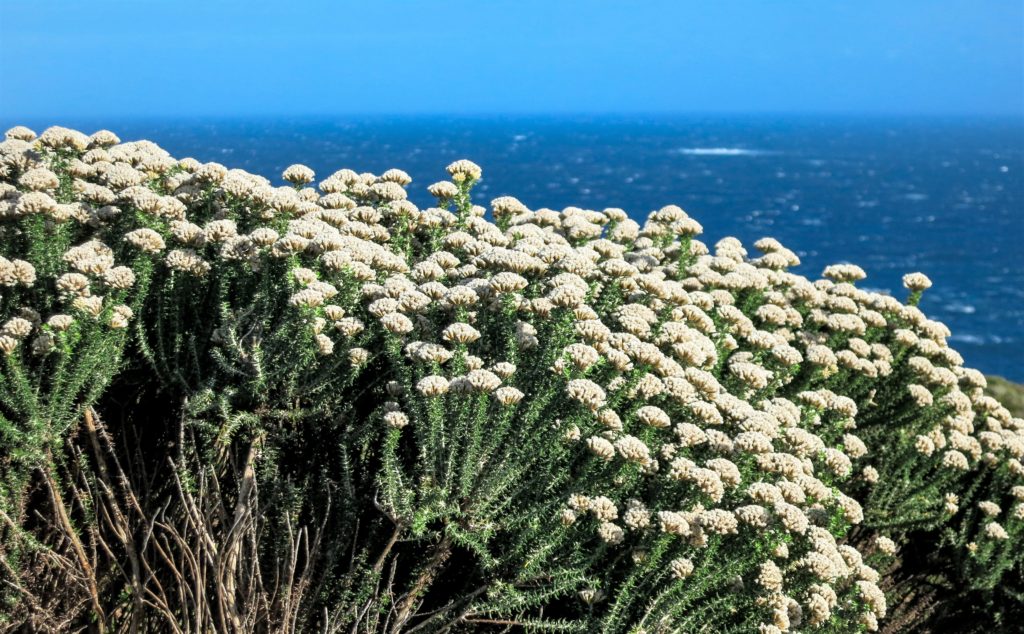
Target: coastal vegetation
[(230, 406)]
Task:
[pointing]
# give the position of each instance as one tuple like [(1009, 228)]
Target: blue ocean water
[(945, 197)]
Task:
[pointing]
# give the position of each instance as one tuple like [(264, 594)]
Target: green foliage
[(226, 406)]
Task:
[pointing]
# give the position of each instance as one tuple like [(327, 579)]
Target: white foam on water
[(879, 291), (719, 151), (979, 340), (959, 307)]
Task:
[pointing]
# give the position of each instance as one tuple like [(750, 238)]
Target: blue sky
[(139, 58)]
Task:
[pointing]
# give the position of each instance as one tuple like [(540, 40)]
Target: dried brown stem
[(76, 544), (440, 555)]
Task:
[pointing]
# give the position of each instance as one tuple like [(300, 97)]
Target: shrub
[(228, 406)]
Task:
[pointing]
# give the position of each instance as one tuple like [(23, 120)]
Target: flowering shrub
[(229, 406)]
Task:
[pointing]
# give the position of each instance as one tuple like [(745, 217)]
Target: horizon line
[(483, 114)]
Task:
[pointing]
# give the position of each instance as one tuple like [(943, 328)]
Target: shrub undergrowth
[(228, 406)]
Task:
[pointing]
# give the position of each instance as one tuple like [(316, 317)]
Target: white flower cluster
[(711, 376)]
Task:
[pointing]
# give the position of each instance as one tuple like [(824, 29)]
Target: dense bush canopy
[(229, 406)]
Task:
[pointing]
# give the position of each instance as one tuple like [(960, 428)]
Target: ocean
[(940, 196)]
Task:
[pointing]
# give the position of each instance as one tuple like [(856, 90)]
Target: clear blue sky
[(83, 58)]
